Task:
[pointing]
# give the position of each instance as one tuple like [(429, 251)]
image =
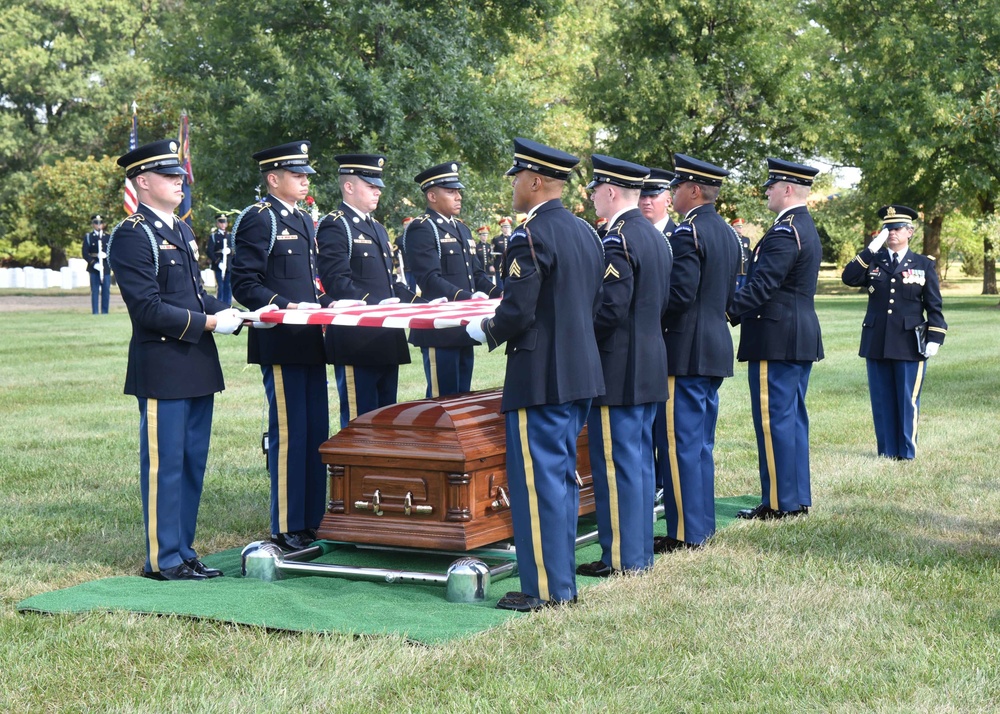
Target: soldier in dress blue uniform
[(355, 263), (741, 276), (634, 359), (95, 252), (274, 264), (554, 268), (483, 252), (220, 254), (173, 365), (904, 299), (780, 339), (699, 350), (499, 248), (439, 250), (655, 202)]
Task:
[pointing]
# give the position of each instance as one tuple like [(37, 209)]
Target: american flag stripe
[(130, 199), (422, 316)]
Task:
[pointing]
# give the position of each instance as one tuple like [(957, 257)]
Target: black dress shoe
[(179, 572), (522, 602), (763, 512), (597, 569), (667, 544), (199, 567), (299, 540)]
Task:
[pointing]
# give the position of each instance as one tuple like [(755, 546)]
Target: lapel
[(289, 222), (885, 258), (444, 226), (165, 235), (358, 224)]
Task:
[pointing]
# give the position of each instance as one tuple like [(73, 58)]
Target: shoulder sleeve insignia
[(611, 272), (682, 229), (784, 229), (517, 235), (515, 269), (611, 238)]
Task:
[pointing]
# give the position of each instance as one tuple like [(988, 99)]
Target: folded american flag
[(418, 316)]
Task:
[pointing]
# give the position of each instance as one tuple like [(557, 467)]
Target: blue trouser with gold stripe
[(620, 440), (448, 370), (298, 424), (363, 389), (692, 409), (778, 401), (894, 386), (173, 449), (544, 495)]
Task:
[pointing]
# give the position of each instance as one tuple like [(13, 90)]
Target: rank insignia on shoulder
[(262, 205), (515, 269), (134, 219), (611, 272)]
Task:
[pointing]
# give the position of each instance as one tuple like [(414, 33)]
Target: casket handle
[(502, 500), (375, 505), (409, 508)]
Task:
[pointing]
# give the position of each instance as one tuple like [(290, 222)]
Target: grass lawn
[(885, 598)]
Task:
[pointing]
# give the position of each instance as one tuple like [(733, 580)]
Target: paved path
[(32, 303)]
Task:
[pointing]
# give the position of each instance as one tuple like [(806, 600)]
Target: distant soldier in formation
[(500, 247), (438, 247), (636, 289), (274, 267), (780, 339), (903, 327), (699, 350), (741, 275), (220, 255), (173, 364), (554, 267), (484, 250), (95, 252), (355, 263)]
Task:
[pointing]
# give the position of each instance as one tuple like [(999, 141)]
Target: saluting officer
[(655, 202), (634, 359), (699, 350), (220, 254), (438, 247), (554, 267), (780, 339), (355, 263), (903, 327), (95, 252), (173, 365), (274, 267)]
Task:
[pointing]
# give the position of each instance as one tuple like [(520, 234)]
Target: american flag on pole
[(184, 211), (131, 201)]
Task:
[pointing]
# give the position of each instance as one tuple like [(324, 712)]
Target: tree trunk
[(987, 206), (57, 258), (932, 237)]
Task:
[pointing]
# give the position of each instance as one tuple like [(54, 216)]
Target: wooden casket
[(427, 474)]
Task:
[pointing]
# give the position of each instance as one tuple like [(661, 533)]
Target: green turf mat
[(319, 604)]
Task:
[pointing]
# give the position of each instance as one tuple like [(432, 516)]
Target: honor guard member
[(554, 269), (404, 262), (654, 200), (95, 252), (499, 248), (699, 350), (634, 359), (780, 339), (903, 326), (220, 254), (275, 265), (355, 263), (173, 366), (439, 249), (483, 252), (741, 275)]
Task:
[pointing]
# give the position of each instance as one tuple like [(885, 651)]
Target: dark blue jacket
[(775, 308), (554, 268), (170, 356)]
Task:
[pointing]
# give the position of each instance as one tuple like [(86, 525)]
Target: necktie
[(370, 222), (895, 262)]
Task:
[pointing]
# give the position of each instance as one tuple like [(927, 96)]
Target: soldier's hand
[(475, 330), (879, 240), (389, 301), (307, 306), (348, 303), (478, 295), (227, 322), (931, 349), (264, 325), (437, 301)]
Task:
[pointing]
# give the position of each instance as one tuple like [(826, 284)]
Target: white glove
[(879, 240), (308, 306), (438, 301), (475, 330), (931, 349), (265, 325), (227, 322), (101, 255), (388, 301), (480, 296), (348, 303)]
